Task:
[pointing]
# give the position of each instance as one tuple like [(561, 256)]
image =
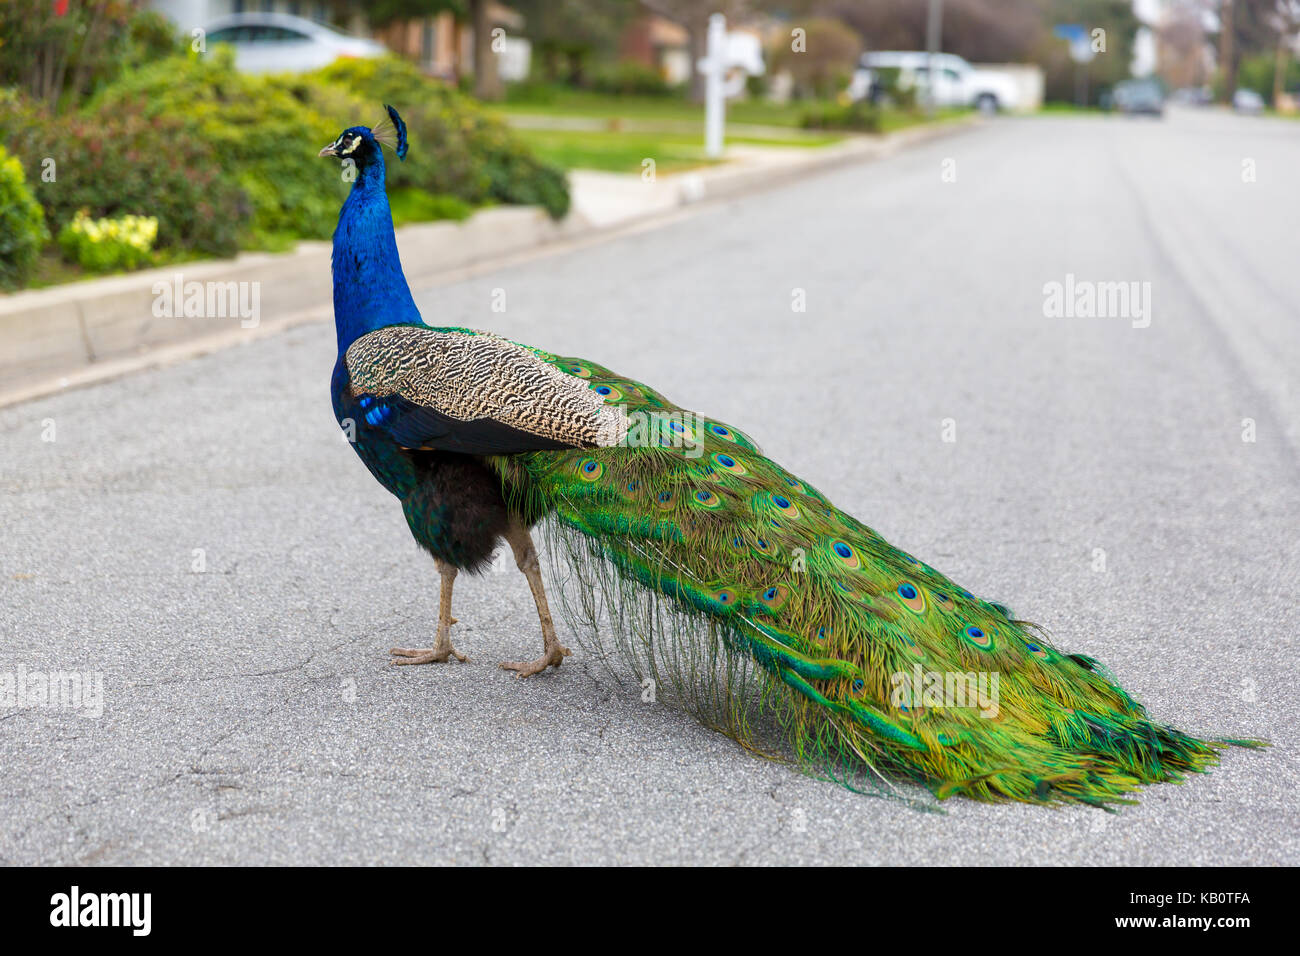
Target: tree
[(1181, 44), (829, 55), (381, 13), (1246, 28), (987, 31), (1287, 21), (1118, 25), (60, 53), (565, 34), (487, 82)]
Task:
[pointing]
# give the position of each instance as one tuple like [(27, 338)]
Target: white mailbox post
[(728, 60), (714, 68)]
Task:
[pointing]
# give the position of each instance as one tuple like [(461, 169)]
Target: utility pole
[(933, 32)]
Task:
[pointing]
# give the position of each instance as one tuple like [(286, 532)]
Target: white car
[(1248, 102), (958, 83), (280, 43)]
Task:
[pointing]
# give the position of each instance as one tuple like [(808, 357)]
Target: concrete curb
[(85, 332)]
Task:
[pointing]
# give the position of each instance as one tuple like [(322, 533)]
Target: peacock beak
[(329, 150)]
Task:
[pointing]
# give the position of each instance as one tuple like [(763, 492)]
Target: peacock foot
[(440, 653), (554, 657), (426, 655)]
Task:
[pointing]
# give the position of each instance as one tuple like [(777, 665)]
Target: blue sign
[(1077, 35)]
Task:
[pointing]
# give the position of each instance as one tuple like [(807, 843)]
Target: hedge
[(22, 224)]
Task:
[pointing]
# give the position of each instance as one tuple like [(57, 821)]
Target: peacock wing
[(453, 389)]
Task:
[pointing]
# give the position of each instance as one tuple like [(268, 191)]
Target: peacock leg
[(442, 649), (553, 652)]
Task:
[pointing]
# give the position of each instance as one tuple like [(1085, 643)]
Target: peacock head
[(360, 144)]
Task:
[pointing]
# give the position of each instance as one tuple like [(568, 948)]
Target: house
[(665, 47), (445, 48), (660, 44)]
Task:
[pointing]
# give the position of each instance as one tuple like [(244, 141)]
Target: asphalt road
[(250, 715)]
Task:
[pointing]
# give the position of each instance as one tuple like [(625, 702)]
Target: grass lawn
[(893, 120), (623, 152), (563, 102), (1066, 109), (678, 144), (668, 109)]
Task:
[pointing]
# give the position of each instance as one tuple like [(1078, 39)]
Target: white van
[(958, 83)]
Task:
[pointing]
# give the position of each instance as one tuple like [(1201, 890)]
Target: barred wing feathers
[(451, 389)]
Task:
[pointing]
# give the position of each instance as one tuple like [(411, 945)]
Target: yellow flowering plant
[(104, 245)]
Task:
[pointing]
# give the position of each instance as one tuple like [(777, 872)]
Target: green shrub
[(22, 224), (106, 245), (115, 162), (819, 67), (225, 160), (535, 92), (267, 131), (263, 130), (150, 36), (456, 148), (889, 87), (628, 78), (415, 205), (860, 117), (1257, 73)]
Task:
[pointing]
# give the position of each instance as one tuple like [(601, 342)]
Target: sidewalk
[(85, 332)]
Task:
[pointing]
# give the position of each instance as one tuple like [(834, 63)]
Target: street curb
[(85, 332)]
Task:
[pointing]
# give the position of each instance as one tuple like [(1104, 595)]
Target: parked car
[(1139, 97), (957, 82), (1193, 96), (1247, 101), (281, 43)]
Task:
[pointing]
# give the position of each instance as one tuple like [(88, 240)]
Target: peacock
[(689, 543)]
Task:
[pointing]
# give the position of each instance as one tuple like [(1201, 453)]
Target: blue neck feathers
[(370, 289)]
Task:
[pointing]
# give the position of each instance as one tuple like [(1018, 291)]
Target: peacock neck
[(370, 289)]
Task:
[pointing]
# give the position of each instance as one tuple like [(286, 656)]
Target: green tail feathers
[(724, 573)]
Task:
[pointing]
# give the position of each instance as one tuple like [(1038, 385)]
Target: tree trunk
[(1227, 55), (697, 40), (487, 81), (1279, 68)]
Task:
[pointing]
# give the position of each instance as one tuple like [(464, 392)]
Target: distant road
[(1099, 483)]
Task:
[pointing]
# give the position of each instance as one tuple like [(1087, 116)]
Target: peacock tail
[(778, 603)]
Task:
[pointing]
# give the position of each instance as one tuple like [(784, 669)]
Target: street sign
[(1080, 43)]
